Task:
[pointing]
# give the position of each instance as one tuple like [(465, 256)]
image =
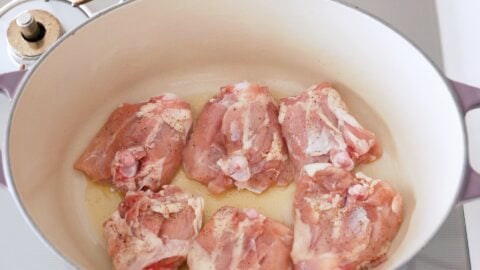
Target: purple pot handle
[(8, 85), (10, 81), (469, 98)]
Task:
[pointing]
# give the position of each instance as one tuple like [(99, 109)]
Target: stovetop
[(449, 249)]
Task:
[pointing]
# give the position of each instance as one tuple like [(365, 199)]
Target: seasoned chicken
[(140, 146), (241, 240), (318, 128), (153, 230), (97, 158), (343, 221), (237, 141)]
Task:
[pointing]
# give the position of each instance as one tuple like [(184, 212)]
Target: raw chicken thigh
[(318, 128), (237, 141), (343, 221), (140, 146), (241, 240), (153, 230)]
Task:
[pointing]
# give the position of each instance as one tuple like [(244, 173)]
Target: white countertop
[(418, 20)]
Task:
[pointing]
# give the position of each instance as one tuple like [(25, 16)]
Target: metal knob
[(29, 27)]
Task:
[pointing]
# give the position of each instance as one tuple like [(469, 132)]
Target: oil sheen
[(101, 201)]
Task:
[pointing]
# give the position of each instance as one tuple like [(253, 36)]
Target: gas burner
[(29, 27), (31, 34)]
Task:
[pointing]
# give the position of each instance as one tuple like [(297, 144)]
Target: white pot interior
[(148, 47)]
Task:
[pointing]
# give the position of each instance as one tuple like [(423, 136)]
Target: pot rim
[(6, 158)]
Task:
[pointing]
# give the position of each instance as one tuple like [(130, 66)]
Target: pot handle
[(469, 98), (10, 81), (8, 86)]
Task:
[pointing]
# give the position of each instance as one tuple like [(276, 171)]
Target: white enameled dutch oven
[(146, 47)]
